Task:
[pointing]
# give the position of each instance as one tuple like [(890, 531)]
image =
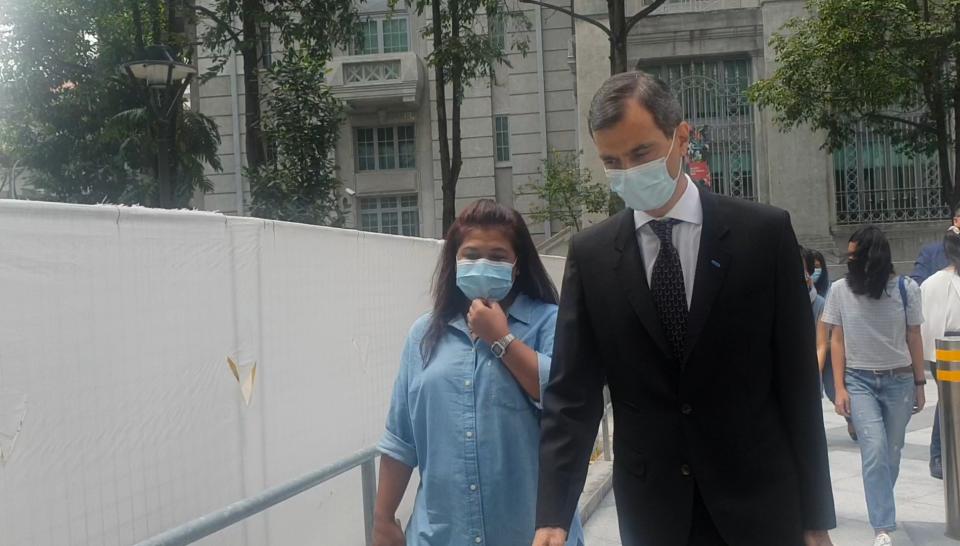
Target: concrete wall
[(119, 415)]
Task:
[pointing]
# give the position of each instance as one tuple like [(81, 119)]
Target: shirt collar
[(688, 208)]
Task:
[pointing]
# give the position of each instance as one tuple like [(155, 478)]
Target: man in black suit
[(692, 307)]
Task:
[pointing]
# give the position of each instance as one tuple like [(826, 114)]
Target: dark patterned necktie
[(666, 284)]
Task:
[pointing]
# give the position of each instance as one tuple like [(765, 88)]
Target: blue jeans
[(935, 435), (881, 406)]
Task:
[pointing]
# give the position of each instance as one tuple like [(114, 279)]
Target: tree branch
[(572, 14), (885, 117), (633, 20), (220, 22)]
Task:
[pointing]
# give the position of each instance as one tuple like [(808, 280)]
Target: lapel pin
[(715, 263)]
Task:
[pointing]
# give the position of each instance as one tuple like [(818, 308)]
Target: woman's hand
[(387, 532), (921, 399), (487, 321), (842, 402)]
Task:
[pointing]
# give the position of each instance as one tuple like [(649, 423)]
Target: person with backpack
[(878, 365)]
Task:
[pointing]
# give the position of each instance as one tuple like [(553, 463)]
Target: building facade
[(708, 51), (388, 157)]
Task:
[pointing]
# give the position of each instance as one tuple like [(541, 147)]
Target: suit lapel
[(633, 278), (712, 265)]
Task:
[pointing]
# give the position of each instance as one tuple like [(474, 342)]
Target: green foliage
[(888, 63), (567, 191), (302, 119), (469, 51), (60, 91), (314, 27)]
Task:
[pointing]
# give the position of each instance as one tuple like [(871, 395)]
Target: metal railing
[(206, 525), (203, 526), (373, 71)]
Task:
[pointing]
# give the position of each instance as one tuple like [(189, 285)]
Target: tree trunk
[(951, 187), (176, 30), (251, 11), (456, 85), (618, 36), (449, 192)]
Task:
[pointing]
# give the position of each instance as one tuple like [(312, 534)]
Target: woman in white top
[(941, 308), (877, 364)]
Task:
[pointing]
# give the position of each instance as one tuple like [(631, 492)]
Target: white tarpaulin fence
[(120, 415)]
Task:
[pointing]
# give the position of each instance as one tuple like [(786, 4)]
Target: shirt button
[(686, 409), (468, 382), (478, 540), (473, 487), (685, 469), (469, 434)]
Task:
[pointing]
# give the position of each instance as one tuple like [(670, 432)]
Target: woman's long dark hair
[(951, 247), (449, 301), (870, 265), (823, 283)]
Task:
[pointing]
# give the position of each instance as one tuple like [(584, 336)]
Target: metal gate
[(714, 101)]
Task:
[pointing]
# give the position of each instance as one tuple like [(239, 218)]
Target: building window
[(501, 126), (394, 35), (877, 183), (395, 214), (382, 35), (713, 97), (498, 32), (266, 47), (383, 148)]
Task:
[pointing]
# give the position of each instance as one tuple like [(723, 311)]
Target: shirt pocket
[(505, 391)]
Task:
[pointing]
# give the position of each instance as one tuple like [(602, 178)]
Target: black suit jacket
[(739, 418)]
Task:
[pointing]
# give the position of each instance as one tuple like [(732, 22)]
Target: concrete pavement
[(920, 502)]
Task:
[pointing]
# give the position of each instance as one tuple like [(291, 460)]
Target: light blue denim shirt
[(473, 433)]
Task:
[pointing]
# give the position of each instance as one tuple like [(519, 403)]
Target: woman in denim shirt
[(465, 406)]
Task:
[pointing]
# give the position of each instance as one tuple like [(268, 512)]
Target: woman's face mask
[(817, 272), (484, 279)]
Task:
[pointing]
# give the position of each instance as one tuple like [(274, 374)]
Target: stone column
[(796, 169)]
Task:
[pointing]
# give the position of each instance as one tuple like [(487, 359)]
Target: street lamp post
[(163, 78)]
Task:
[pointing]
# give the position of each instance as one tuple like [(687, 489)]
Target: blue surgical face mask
[(645, 187), (484, 279), (816, 274)]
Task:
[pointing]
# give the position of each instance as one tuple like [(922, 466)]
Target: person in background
[(466, 402), (817, 271), (821, 277), (878, 365), (817, 301), (941, 306), (932, 258)]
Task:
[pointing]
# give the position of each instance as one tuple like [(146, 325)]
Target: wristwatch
[(499, 347)]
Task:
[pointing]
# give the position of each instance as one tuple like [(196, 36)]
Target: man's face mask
[(645, 187)]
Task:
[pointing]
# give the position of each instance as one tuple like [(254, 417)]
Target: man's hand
[(816, 538), (550, 536), (487, 321)]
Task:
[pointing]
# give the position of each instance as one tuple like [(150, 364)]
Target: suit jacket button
[(685, 470), (686, 409)]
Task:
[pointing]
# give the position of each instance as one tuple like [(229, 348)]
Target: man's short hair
[(956, 212), (610, 101)]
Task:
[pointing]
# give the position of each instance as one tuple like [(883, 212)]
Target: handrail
[(208, 524)]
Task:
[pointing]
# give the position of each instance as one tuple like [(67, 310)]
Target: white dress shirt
[(686, 235), (941, 309)]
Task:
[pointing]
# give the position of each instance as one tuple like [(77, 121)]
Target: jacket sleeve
[(797, 384), (572, 406), (921, 268)]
